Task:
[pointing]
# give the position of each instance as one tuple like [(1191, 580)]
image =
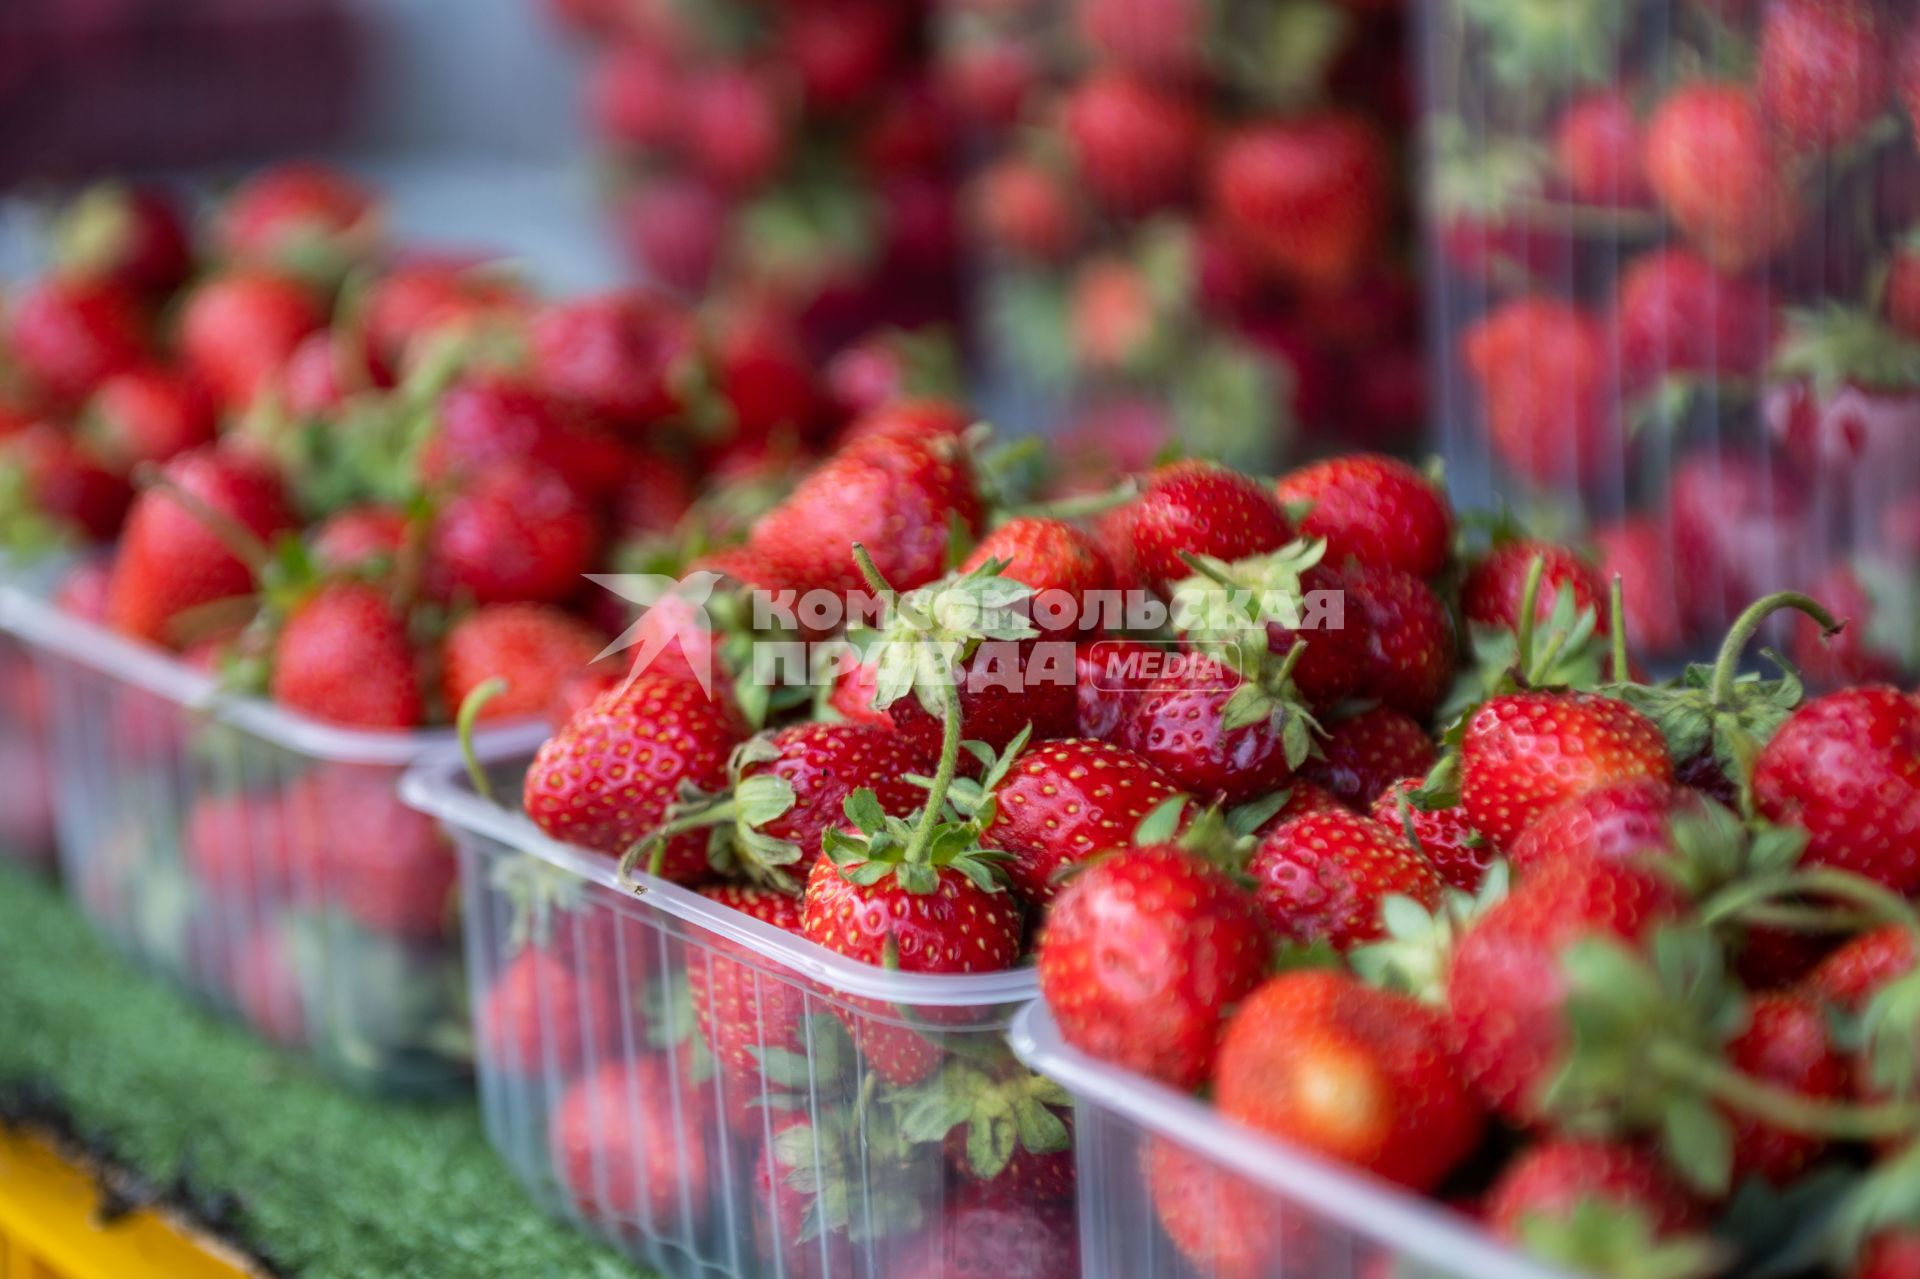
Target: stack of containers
[(793, 153), (1190, 220), (717, 1097), (1674, 297)]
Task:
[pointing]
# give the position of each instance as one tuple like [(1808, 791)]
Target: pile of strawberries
[(1191, 217), (799, 150), (1677, 271)]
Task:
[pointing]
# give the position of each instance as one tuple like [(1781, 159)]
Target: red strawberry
[(69, 335), (1356, 1074), (316, 381), (1134, 144), (61, 480), (1823, 74), (1226, 1226), (517, 532), (1179, 725), (633, 95), (1062, 564), (763, 375), (371, 857), (267, 986), (1309, 195), (997, 1238), (239, 329), (1506, 992), (83, 592), (1638, 550), (1039, 698), (542, 1017), (150, 415), (1143, 954), (911, 421), (1112, 315), (169, 561), (488, 418), (1629, 820), (1524, 753), (1677, 314), (1710, 158), (988, 78), (1597, 144), (239, 847), (1444, 836), (1200, 508), (1164, 39), (1024, 209), (1496, 588), (1323, 876), (133, 236), (1408, 635), (1786, 1044), (617, 354), (343, 656), (845, 51), (1365, 753), (1845, 768), (1108, 676), (1903, 290), (298, 217), (609, 777), (1546, 376), (735, 129), (629, 1148), (743, 1012), (1891, 1254), (354, 537), (1739, 532), (1374, 509), (1067, 801), (1549, 1182), (532, 646), (425, 298), (1853, 974), (1857, 655), (675, 226)]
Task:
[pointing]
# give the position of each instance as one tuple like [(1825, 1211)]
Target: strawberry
[(608, 778), (1712, 161), (239, 329), (1022, 208), (83, 591), (150, 415), (268, 988), (428, 298), (1638, 551), (1108, 676), (1409, 645), (1845, 768), (1903, 290), (1223, 1224), (383, 865), (1356, 1074), (1112, 314), (316, 381), (845, 51), (1495, 589), (1200, 508), (60, 480), (633, 95), (915, 420), (1858, 654), (1597, 146), (1066, 801), (1063, 565), (532, 646), (888, 368), (358, 536), (1184, 725), (488, 418), (618, 355), (302, 218), (169, 561), (239, 847), (1374, 509), (1456, 851), (1308, 195), (1891, 1254), (1627, 820), (1546, 376), (1039, 700), (1506, 991), (734, 127), (69, 335), (986, 1237), (676, 227), (1164, 41), (1540, 1198), (629, 1148), (1323, 877), (829, 1188), (1143, 954), (1134, 143), (740, 1011), (132, 236), (1787, 1044), (1738, 523), (1823, 73), (517, 532), (1366, 753), (1853, 974), (343, 656), (1523, 753), (543, 1018), (1676, 313)]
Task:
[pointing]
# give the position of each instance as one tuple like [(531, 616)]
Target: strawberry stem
[(1617, 625), (930, 816), (1529, 603), (240, 541), (469, 715), (654, 844), (1740, 900), (1782, 1107), (1082, 506), (1727, 665)]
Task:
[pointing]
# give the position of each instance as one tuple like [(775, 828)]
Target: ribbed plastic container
[(261, 859), (26, 803), (1672, 282), (1171, 1189), (684, 1081)]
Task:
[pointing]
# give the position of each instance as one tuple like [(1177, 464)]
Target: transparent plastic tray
[(261, 859), (1154, 1162), (785, 1152)]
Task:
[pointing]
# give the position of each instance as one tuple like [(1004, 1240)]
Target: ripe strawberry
[(301, 218), (69, 335), (1710, 158), (1039, 698), (763, 374), (630, 1148), (1629, 820), (609, 777), (426, 298), (268, 986), (357, 536), (1062, 564), (1356, 1074), (988, 78), (1407, 633), (83, 591), (1456, 851), (1200, 508), (1112, 315), (1638, 550), (1374, 509), (1845, 768), (675, 226), (1226, 1226), (1524, 753), (1739, 525), (1134, 144), (634, 96), (239, 329), (1067, 801), (915, 420), (845, 51), (1496, 587), (1823, 73), (1676, 313), (343, 656), (1506, 991), (543, 1018), (741, 1011), (133, 236), (1179, 725), (240, 847), (61, 480), (1143, 954), (316, 381), (1853, 974), (1323, 877), (1309, 195), (150, 415), (618, 354), (532, 646), (1550, 1181), (488, 418), (989, 1237), (1364, 754), (1891, 1254), (1903, 290), (735, 129), (1546, 376), (1164, 41), (383, 865), (1022, 208), (1857, 654), (1597, 145), (517, 532), (959, 927), (1787, 1044), (1108, 676), (169, 561)]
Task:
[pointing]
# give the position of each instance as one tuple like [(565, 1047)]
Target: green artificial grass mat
[(314, 1181)]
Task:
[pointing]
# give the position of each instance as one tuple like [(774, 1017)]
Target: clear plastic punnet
[(261, 859), (1674, 251), (717, 1097), (26, 800), (1171, 1189)]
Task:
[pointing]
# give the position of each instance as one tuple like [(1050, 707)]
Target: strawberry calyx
[(736, 818), (1599, 1237), (1538, 42), (840, 1161), (914, 853), (1003, 1114), (539, 895), (1414, 956), (1839, 345)]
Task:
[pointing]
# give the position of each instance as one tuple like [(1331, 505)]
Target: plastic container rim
[(1416, 1227), (437, 786)]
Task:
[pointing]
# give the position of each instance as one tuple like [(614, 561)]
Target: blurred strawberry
[(532, 647), (1597, 144), (1712, 161), (844, 51), (1309, 195), (1545, 371), (634, 95), (1823, 74), (1134, 144), (675, 227), (134, 236), (1638, 550), (618, 354), (1023, 208), (239, 329), (56, 478), (1677, 314), (301, 218), (149, 415), (734, 126), (518, 531), (69, 335)]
